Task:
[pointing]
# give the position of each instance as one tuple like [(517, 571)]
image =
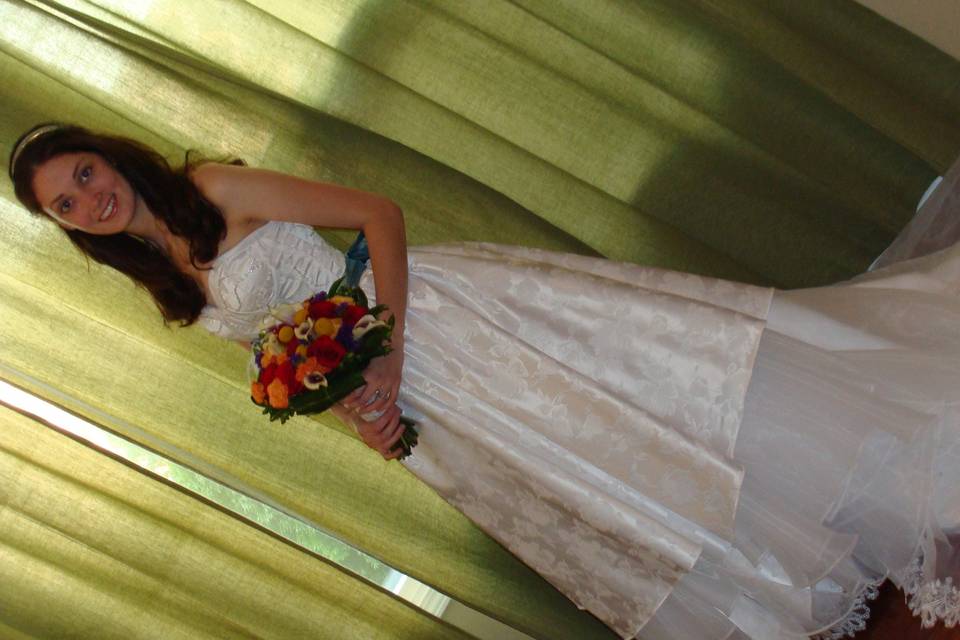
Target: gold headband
[(28, 139)]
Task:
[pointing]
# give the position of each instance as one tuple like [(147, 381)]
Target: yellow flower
[(300, 316), (327, 326), (285, 334), (339, 299)]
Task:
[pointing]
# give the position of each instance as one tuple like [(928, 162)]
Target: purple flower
[(345, 337)]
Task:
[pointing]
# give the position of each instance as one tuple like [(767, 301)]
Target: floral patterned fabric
[(682, 456), (582, 412)]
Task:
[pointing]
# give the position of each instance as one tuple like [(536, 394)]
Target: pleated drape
[(775, 142), (107, 552)]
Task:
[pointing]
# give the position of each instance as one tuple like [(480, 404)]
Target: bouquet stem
[(409, 438)]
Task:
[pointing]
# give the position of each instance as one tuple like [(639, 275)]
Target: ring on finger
[(376, 396)]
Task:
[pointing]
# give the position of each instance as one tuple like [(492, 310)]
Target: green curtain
[(770, 141), (106, 552)]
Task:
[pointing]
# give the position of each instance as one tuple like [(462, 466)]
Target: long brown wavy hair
[(167, 192)]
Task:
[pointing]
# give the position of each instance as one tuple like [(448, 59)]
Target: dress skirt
[(684, 457), (849, 479), (689, 458)]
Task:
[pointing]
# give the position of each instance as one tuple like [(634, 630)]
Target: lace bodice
[(275, 264)]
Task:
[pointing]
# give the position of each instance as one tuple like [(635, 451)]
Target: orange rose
[(277, 391), (258, 392), (267, 359)]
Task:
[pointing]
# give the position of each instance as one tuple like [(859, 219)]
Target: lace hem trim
[(931, 600), (856, 618)]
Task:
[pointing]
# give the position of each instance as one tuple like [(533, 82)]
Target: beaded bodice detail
[(274, 264)]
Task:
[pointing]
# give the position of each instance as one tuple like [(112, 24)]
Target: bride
[(682, 456)]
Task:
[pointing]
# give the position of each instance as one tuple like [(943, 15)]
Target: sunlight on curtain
[(127, 86), (271, 518), (167, 566)]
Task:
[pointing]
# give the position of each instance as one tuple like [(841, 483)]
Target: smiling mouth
[(110, 209)]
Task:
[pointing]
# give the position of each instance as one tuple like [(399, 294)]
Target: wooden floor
[(890, 619)]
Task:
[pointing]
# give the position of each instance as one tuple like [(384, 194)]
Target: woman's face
[(83, 191)]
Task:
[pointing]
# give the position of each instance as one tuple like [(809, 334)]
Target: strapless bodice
[(277, 263)]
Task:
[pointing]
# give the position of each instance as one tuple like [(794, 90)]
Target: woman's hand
[(383, 383), (379, 434)]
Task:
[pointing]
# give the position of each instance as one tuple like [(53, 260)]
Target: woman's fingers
[(351, 400), (387, 397), (388, 452), (382, 377), (371, 392), (370, 396), (378, 432), (394, 454), (376, 395), (390, 435), (395, 432)]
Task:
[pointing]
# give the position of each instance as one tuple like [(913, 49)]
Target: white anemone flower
[(268, 322), (271, 345), (278, 314), (253, 367), (365, 324), (314, 380), (303, 330)]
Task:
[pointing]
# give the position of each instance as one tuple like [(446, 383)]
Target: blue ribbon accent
[(357, 259)]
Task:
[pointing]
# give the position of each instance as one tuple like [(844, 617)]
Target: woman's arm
[(246, 195)]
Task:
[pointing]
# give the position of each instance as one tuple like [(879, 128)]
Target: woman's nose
[(91, 203)]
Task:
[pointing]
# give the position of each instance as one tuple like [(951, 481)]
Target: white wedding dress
[(682, 456)]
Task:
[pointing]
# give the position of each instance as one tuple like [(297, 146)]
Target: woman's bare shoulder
[(214, 180), (246, 193)]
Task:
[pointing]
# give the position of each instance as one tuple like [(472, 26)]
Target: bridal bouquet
[(311, 355)]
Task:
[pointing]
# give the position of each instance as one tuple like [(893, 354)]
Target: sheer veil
[(931, 582), (935, 226)]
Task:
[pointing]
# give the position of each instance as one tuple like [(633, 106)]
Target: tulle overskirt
[(852, 476)]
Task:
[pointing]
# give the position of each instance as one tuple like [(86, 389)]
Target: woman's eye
[(85, 174), (65, 206)]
